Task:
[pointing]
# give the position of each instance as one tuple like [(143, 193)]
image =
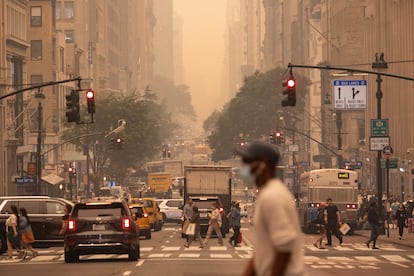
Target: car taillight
[(126, 224), (71, 225), (145, 215), (314, 205), (351, 206), (221, 209)]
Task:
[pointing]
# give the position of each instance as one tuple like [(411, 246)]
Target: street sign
[(379, 127), (25, 179), (350, 94), (378, 143), (293, 148), (387, 151), (305, 163), (393, 163)]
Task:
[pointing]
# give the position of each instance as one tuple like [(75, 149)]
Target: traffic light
[(90, 100), (72, 106), (119, 142), (280, 139), (290, 91), (272, 139), (71, 171)]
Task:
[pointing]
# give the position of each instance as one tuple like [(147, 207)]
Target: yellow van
[(153, 211), (142, 219)]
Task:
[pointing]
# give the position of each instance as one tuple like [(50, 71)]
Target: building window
[(62, 59), (58, 10), (69, 10), (69, 36), (36, 79), (36, 49), (36, 16)]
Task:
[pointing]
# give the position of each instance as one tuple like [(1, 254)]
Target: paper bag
[(190, 229), (344, 228)]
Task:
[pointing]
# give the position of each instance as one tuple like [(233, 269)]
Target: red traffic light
[(291, 83), (90, 94), (118, 140), (70, 169), (278, 134)]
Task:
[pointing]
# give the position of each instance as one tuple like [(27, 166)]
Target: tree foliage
[(254, 112), (147, 127)]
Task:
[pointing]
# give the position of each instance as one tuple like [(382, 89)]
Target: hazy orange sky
[(203, 43)]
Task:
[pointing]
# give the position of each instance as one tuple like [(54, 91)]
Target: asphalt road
[(164, 254)]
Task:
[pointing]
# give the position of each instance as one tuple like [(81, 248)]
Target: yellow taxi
[(142, 219), (153, 211)]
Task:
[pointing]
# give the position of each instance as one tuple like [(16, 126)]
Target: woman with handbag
[(193, 229), (12, 230), (401, 216), (27, 233)]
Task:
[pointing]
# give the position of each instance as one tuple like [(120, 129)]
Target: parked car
[(140, 215), (152, 209), (171, 209), (101, 228), (45, 217)]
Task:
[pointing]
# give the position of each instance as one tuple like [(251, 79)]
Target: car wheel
[(3, 243), (133, 253), (148, 235), (157, 226), (71, 257), (164, 217)]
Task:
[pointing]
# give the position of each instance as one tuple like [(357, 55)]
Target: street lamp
[(39, 96)]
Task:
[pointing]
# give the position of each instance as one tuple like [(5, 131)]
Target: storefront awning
[(53, 179)]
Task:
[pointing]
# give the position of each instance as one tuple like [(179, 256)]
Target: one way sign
[(350, 94)]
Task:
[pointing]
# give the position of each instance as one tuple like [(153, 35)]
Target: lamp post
[(39, 96), (379, 63)]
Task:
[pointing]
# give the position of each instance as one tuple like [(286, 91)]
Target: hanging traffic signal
[(90, 100), (272, 139), (280, 139), (72, 106), (119, 142), (290, 91)]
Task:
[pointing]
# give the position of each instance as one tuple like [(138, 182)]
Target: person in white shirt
[(278, 246)]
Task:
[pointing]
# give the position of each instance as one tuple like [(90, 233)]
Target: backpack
[(313, 215)]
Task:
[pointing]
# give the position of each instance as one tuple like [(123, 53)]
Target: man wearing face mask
[(278, 239)]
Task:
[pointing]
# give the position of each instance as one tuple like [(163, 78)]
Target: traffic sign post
[(350, 94), (378, 143)]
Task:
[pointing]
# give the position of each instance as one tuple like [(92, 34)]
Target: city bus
[(174, 167), (317, 186)]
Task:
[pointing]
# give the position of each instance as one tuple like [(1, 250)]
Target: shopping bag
[(240, 238), (190, 229), (185, 226), (344, 228)]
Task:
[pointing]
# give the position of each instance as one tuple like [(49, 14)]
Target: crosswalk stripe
[(157, 255), (312, 248), (410, 256), (218, 248), (44, 258), (171, 248), (338, 259), (244, 248), (186, 255), (146, 249), (221, 256), (342, 248), (366, 258), (394, 258)]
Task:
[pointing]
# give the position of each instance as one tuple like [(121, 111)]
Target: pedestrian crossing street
[(354, 247)]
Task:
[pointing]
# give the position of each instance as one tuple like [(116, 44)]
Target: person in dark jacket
[(333, 220), (195, 218), (235, 223), (373, 221), (401, 216)]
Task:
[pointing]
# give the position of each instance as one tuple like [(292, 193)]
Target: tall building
[(178, 49), (163, 39), (14, 46)]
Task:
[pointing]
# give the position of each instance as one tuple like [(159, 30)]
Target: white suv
[(171, 209)]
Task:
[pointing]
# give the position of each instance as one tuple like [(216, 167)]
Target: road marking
[(366, 258), (398, 264), (244, 248), (44, 258), (338, 259), (342, 248), (368, 267), (171, 236), (146, 249), (344, 266), (171, 248), (140, 263), (170, 229), (312, 258), (193, 248), (218, 248), (395, 258), (167, 241), (320, 266), (186, 255), (410, 256), (127, 273), (159, 255), (221, 256)]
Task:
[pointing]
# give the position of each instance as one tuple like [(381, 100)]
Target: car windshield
[(114, 210)]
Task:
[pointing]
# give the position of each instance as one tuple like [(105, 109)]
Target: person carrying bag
[(193, 228)]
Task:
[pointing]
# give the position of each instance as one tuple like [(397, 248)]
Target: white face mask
[(246, 174)]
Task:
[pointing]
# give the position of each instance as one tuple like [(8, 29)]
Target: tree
[(253, 113), (148, 126)]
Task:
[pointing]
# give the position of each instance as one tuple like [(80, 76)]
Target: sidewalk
[(407, 239)]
